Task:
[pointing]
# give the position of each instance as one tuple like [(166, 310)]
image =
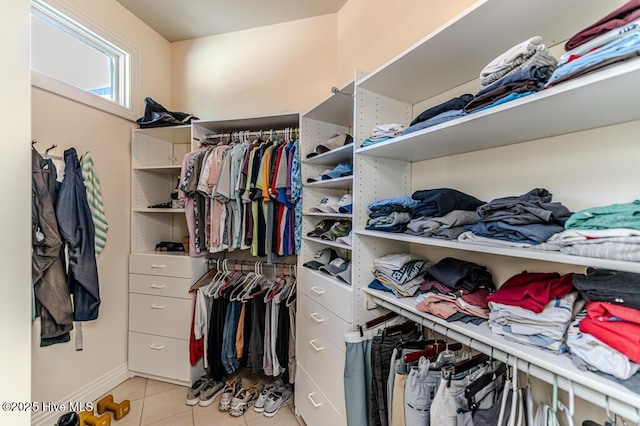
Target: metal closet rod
[(615, 404), (250, 133), (266, 266)]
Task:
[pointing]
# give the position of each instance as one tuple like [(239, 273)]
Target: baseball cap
[(345, 201), (321, 228), (348, 239), (338, 229), (345, 275), (342, 169), (336, 266), (321, 258), (318, 178), (326, 205), (335, 140)]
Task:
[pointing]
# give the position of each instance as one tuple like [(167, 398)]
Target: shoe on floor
[(68, 419), (277, 399), (231, 387), (244, 399), (262, 398), (193, 394), (209, 393)]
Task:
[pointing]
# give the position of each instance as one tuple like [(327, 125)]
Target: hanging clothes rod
[(231, 263), (246, 133)]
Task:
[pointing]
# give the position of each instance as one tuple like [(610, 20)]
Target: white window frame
[(126, 59)]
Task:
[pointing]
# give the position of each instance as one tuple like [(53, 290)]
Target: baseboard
[(90, 392)]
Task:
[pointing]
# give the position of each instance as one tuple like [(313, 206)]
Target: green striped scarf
[(94, 197)]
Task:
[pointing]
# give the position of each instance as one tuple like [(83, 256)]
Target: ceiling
[(178, 20)]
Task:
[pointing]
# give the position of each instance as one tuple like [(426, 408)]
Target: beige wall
[(371, 32), (276, 69), (15, 173), (70, 124)]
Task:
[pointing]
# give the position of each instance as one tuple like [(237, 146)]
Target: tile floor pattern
[(157, 403)]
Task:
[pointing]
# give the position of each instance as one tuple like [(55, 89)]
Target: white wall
[(58, 120), (283, 68), (15, 173)]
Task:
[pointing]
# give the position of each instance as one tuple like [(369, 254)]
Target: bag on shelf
[(155, 115)]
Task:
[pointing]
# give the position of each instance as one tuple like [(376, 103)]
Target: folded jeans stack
[(390, 214)]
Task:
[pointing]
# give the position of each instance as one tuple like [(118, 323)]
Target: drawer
[(169, 265), (160, 356), (323, 361), (326, 291), (164, 316), (313, 405), (331, 325), (160, 286)]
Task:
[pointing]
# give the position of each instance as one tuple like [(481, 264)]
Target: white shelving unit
[(159, 299), (325, 304), (575, 139)]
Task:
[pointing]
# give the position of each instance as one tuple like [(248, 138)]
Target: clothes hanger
[(432, 350), (46, 151), (203, 281), (505, 395), (469, 363)]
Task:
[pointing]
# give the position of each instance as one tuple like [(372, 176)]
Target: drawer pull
[(158, 286), (154, 266), (314, 346), (154, 306), (315, 404), (157, 348), (316, 290), (316, 317)]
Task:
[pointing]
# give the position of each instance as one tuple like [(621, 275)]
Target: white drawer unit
[(166, 316), (160, 286), (331, 325), (326, 291), (169, 265), (159, 356), (325, 360), (313, 405)]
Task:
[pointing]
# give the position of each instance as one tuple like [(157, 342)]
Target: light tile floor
[(157, 403)]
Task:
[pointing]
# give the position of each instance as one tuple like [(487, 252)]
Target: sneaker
[(277, 399), (244, 399), (209, 393), (231, 387), (69, 419), (193, 394), (262, 398)]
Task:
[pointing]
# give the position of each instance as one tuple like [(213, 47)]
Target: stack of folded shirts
[(456, 290), (546, 329), (612, 39), (390, 214), (446, 111), (533, 291), (519, 221), (383, 132), (589, 353), (607, 232), (606, 285), (520, 71), (399, 273), (442, 212)]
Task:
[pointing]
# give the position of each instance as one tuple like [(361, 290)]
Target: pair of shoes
[(245, 398), (231, 388), (203, 392), (262, 398), (276, 399)]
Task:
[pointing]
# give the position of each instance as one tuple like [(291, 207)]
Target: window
[(70, 59)]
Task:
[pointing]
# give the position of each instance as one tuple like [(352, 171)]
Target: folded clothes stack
[(399, 273), (383, 132), (614, 38), (446, 111), (390, 214), (535, 309), (518, 221), (606, 232)]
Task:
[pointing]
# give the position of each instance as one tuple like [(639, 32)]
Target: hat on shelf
[(347, 239), (344, 204), (319, 177), (336, 266), (321, 228), (322, 257), (345, 275), (326, 205), (342, 169), (335, 141), (338, 229)]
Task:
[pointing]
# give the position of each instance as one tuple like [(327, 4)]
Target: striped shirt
[(94, 197)]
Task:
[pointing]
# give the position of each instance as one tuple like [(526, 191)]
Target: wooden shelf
[(333, 157), (169, 170), (328, 243), (337, 108), (345, 182), (337, 215), (150, 210)]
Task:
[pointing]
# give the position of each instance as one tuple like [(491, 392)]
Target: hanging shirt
[(94, 197)]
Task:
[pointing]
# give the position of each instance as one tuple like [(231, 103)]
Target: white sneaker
[(262, 398), (277, 399)]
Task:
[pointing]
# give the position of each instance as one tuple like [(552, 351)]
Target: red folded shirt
[(614, 325), (532, 291), (628, 12)]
